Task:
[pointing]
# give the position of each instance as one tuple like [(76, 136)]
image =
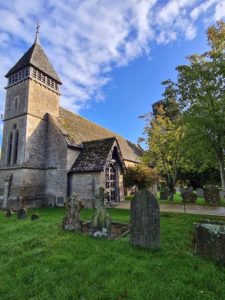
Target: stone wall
[(42, 100), (20, 123), (86, 186), (16, 99), (56, 164), (36, 134)]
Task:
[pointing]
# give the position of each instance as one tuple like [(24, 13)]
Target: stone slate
[(211, 195), (77, 130), (36, 57), (189, 197), (145, 221), (209, 238)]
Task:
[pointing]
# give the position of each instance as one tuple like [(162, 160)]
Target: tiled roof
[(78, 130), (93, 156), (36, 57)]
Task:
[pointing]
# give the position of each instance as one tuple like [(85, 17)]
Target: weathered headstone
[(145, 221), (211, 195), (101, 221), (34, 217), (163, 195), (209, 240), (22, 213), (8, 213), (72, 221), (200, 192), (189, 197)]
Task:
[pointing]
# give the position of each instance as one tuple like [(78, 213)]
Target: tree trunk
[(222, 172)]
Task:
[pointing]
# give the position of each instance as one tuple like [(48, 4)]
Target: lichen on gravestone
[(145, 221), (101, 220), (72, 221)]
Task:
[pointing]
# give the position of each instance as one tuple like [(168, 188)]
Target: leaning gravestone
[(189, 197), (211, 195), (209, 240), (145, 221), (22, 213)]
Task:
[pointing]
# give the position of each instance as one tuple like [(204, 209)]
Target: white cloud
[(220, 10), (86, 39)]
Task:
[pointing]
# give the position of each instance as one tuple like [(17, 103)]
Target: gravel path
[(190, 209)]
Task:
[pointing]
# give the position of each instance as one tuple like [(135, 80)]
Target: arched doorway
[(111, 184)]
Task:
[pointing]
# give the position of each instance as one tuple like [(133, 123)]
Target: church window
[(48, 81), (26, 72), (16, 146), (10, 148)]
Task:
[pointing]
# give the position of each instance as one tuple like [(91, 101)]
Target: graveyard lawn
[(38, 260)]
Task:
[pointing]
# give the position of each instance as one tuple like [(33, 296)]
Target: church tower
[(32, 92)]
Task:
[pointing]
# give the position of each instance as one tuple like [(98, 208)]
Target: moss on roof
[(77, 130)]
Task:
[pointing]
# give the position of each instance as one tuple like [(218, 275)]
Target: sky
[(111, 55)]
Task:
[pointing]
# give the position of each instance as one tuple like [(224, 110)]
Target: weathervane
[(37, 33)]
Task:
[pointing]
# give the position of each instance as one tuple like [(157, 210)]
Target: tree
[(164, 135), (140, 176), (201, 92)]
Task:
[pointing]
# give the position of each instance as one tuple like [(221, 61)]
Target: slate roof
[(93, 156), (36, 57), (78, 130)]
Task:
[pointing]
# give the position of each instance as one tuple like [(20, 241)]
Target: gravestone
[(145, 221), (163, 195), (189, 197), (209, 238), (22, 213), (34, 217), (8, 213), (72, 221), (190, 189), (101, 222), (200, 192), (211, 195)]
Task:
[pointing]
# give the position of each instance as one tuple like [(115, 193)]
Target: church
[(48, 152)]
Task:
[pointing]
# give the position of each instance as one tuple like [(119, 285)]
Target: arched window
[(10, 148), (16, 146)]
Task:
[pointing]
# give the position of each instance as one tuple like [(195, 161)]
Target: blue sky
[(110, 54)]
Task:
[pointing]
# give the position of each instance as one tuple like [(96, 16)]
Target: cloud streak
[(86, 39)]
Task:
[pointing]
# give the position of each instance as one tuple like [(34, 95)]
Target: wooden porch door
[(111, 184)]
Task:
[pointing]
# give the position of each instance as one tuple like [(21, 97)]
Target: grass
[(38, 260)]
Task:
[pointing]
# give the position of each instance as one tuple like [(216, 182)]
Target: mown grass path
[(38, 260)]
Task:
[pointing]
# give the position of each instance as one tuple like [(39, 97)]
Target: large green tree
[(201, 92), (164, 137)]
